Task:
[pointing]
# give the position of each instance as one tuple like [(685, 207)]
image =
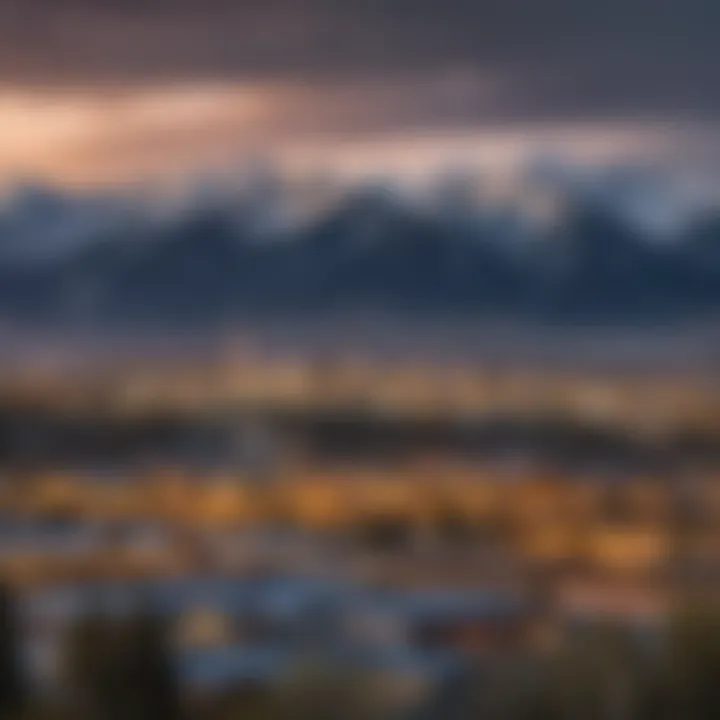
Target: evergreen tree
[(693, 665), (148, 673), (12, 675), (121, 669), (92, 681)]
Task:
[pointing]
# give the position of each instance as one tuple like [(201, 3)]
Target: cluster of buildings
[(416, 568), (417, 525), (652, 401), (227, 634)]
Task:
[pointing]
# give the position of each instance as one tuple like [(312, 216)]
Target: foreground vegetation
[(123, 669)]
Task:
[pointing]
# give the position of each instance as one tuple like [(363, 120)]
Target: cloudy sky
[(106, 89)]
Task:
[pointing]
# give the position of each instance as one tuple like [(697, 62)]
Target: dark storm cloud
[(546, 59)]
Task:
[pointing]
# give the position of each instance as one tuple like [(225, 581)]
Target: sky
[(106, 90)]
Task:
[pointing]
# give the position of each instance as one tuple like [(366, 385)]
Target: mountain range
[(369, 253)]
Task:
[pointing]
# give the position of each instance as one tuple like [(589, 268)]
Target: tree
[(13, 685), (147, 673), (121, 669), (90, 669), (693, 664)]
